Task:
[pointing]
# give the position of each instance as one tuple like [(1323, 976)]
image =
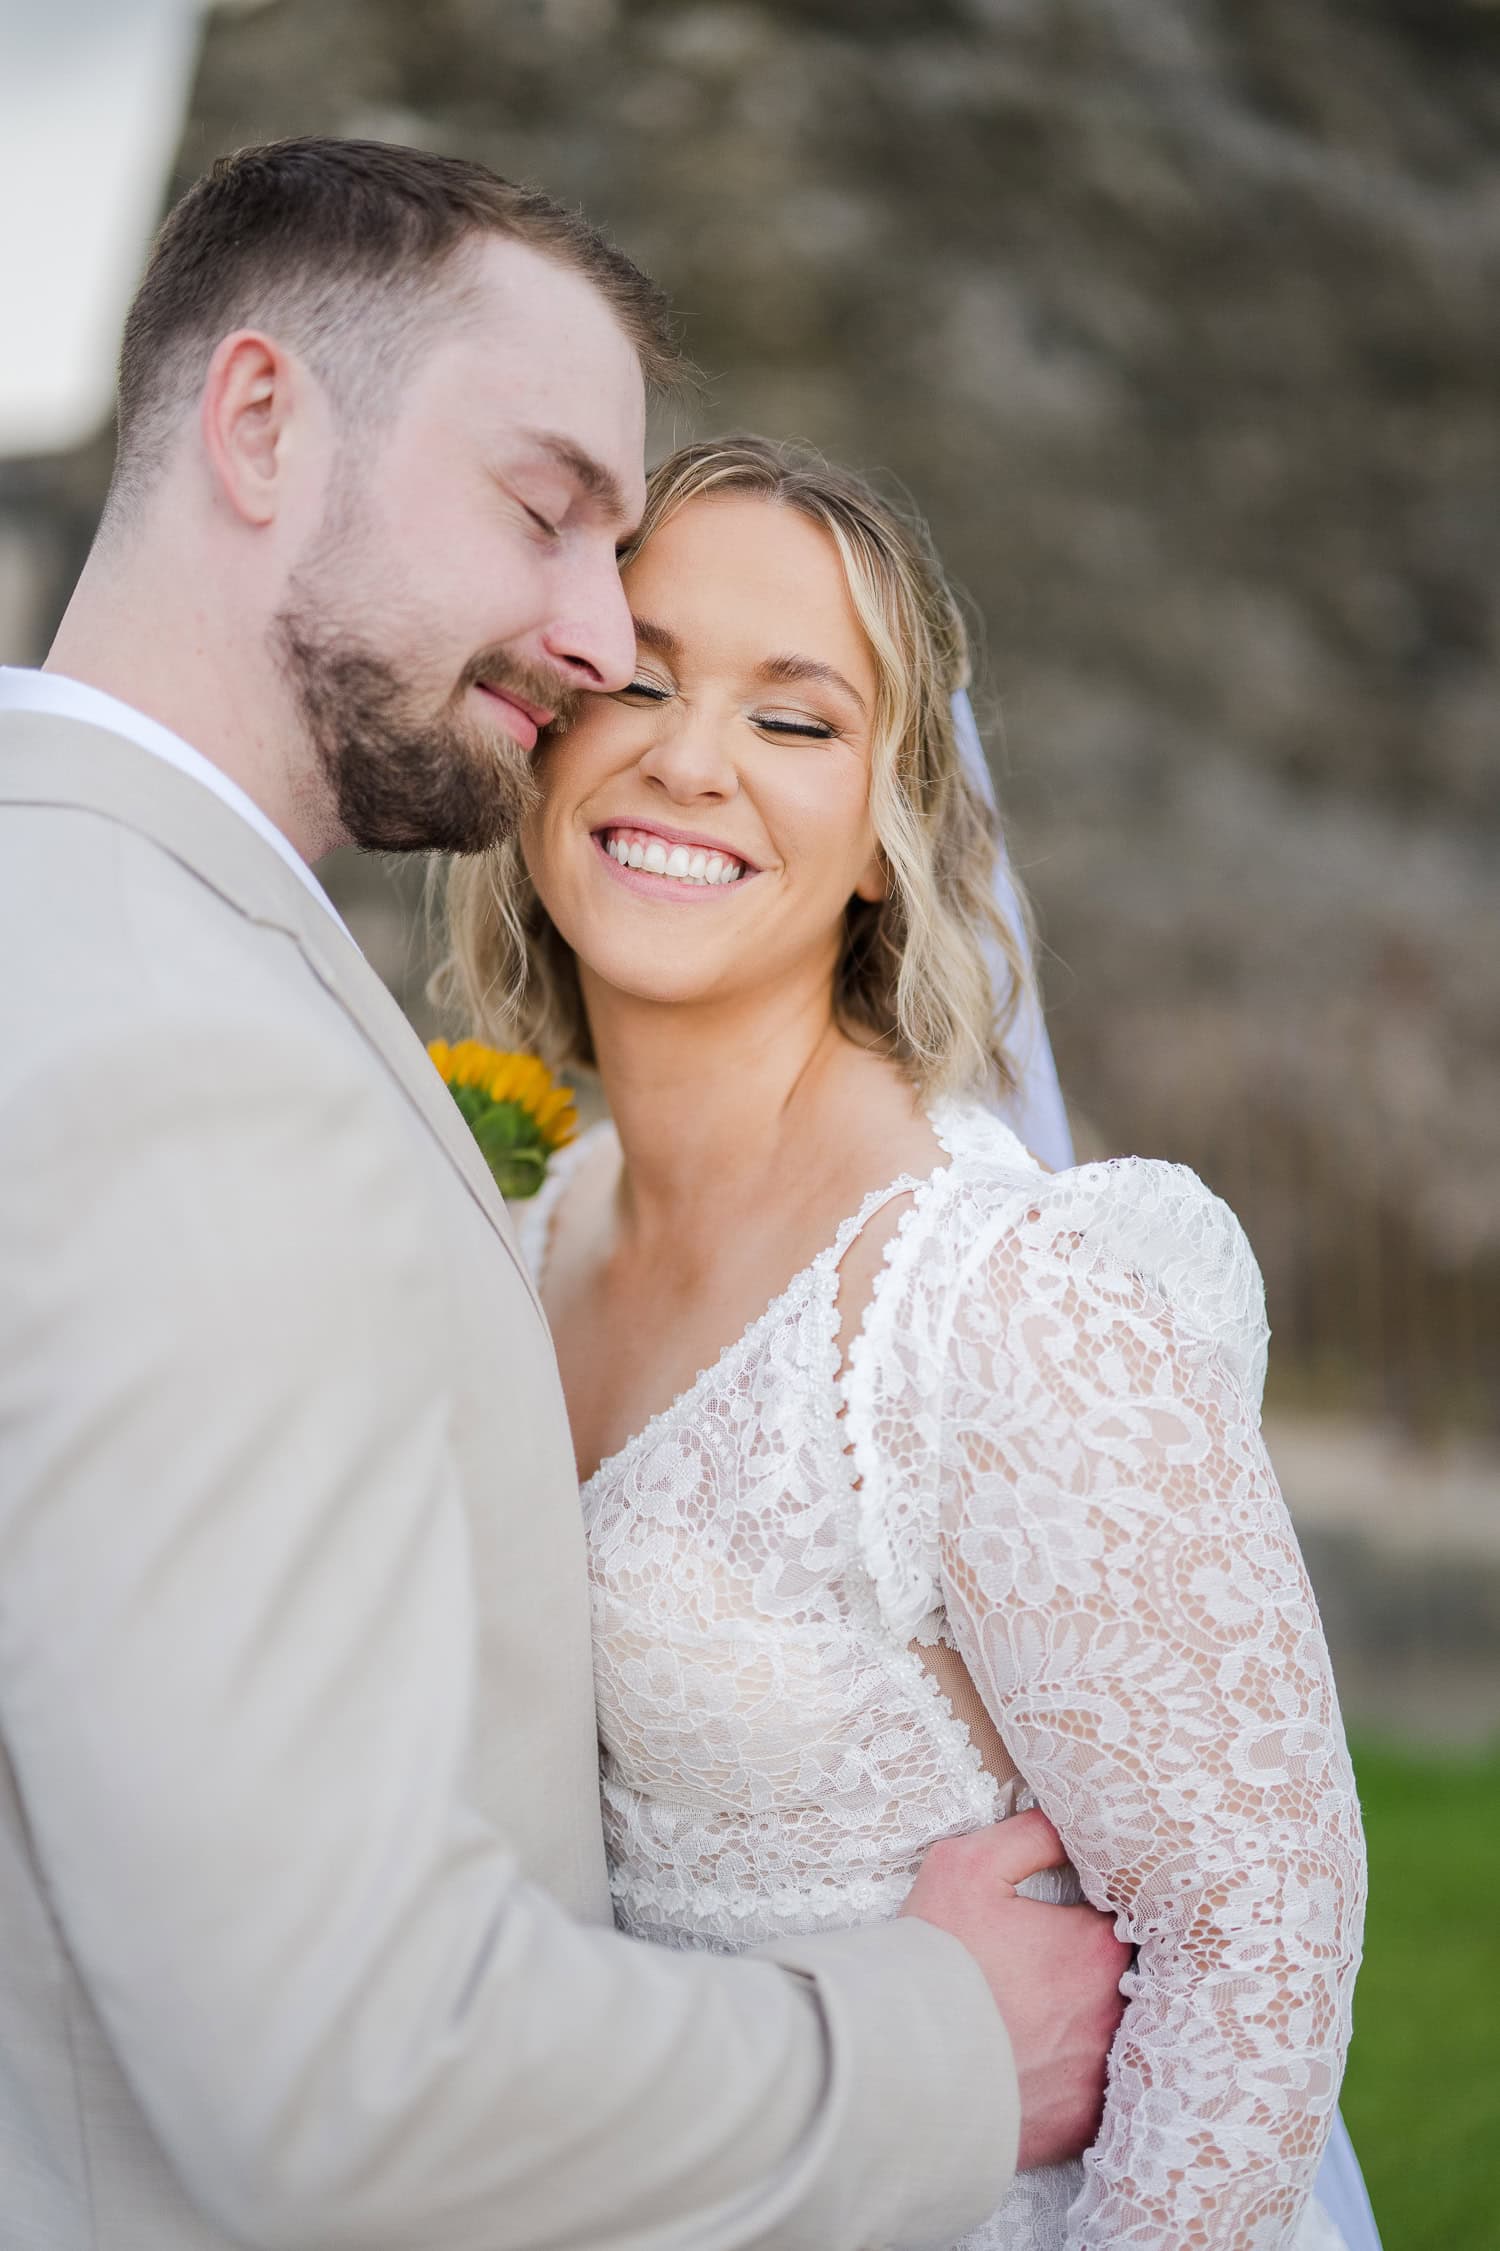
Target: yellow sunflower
[(514, 1108)]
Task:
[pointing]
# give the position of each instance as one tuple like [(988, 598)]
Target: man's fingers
[(1006, 1853), (1022, 1847)]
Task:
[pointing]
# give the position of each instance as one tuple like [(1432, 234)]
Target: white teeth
[(682, 862)]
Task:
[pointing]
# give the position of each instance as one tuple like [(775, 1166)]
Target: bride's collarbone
[(636, 1331), (633, 1334), (626, 1358), (638, 1321)]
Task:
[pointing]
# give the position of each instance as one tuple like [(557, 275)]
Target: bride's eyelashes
[(793, 724), (812, 730)]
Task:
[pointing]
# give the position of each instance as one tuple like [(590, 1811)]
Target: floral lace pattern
[(1045, 1451)]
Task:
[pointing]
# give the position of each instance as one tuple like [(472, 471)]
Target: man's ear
[(244, 414)]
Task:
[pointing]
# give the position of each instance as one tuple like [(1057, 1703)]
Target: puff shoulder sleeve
[(1122, 1579)]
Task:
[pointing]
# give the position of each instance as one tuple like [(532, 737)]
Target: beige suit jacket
[(304, 1929)]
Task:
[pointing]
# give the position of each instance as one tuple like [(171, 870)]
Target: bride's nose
[(693, 756)]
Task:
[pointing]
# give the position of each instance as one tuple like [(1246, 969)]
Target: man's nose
[(592, 639)]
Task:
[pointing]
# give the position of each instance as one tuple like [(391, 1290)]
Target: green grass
[(1422, 2098)]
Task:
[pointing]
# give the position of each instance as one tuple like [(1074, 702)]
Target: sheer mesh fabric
[(1040, 1483)]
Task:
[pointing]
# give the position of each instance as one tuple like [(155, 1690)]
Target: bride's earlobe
[(874, 884)]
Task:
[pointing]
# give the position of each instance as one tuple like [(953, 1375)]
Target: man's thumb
[(1018, 1848)]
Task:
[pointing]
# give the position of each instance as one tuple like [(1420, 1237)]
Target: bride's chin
[(626, 975), (644, 988)]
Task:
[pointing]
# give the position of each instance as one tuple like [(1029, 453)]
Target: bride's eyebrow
[(786, 671)]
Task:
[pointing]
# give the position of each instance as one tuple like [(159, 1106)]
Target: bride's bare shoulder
[(561, 1227)]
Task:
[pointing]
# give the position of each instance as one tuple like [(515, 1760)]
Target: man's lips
[(523, 720)]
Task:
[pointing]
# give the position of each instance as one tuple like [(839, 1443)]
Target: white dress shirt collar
[(61, 698)]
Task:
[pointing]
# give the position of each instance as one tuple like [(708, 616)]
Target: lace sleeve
[(1124, 1584)]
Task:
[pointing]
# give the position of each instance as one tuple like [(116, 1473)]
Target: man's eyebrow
[(600, 484), (786, 670), (657, 637)]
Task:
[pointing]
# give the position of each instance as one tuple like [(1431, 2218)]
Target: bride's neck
[(717, 1107)]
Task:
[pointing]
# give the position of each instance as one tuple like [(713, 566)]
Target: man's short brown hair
[(344, 249)]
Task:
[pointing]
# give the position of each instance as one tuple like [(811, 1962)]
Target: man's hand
[(1054, 1971)]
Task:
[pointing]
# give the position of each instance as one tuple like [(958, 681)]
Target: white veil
[(1035, 1110)]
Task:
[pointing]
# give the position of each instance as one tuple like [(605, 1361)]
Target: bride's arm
[(1122, 1579)]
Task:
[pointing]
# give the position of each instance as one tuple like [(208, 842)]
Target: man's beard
[(404, 779)]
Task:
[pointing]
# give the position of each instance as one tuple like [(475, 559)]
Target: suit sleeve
[(237, 1668)]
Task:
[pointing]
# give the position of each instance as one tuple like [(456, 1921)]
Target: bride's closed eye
[(797, 724)]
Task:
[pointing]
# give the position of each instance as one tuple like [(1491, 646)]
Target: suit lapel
[(46, 760), (342, 968)]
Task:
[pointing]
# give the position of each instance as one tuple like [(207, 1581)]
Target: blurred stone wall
[(1181, 320)]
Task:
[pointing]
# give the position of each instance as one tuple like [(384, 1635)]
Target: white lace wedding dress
[(1045, 1452)]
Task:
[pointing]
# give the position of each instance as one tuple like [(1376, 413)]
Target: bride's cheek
[(540, 855)]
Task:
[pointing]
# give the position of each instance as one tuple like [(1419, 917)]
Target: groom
[(304, 1929)]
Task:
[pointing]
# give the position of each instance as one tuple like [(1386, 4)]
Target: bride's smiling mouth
[(668, 863)]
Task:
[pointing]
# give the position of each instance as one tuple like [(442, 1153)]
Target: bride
[(920, 1484)]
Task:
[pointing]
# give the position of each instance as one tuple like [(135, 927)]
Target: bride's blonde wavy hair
[(912, 978)]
